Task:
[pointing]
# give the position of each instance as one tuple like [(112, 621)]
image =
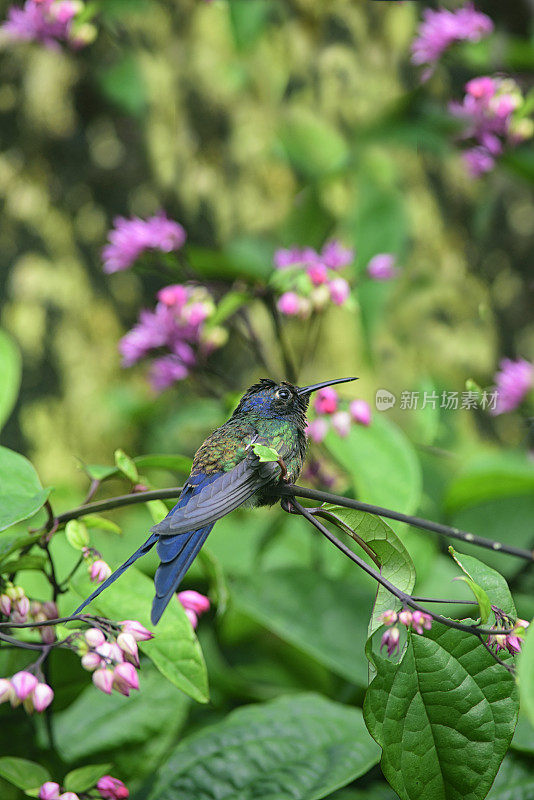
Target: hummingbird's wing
[(210, 497)]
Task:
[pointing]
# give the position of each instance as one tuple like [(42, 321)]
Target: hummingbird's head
[(280, 400)]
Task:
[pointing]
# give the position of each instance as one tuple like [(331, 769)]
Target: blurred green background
[(262, 124)]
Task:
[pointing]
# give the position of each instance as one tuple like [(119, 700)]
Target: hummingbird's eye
[(283, 394)]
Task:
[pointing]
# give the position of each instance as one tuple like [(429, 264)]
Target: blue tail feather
[(177, 554), (145, 548)]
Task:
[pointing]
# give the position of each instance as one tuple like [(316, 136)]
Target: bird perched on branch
[(239, 464)]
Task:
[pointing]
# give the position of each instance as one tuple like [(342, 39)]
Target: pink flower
[(194, 600), (478, 161), (287, 258), (481, 88), (336, 256), (125, 678), (388, 617), (360, 412), (91, 661), (441, 29), (50, 610), (421, 621), (317, 273), (42, 696), (289, 304), (390, 640), (23, 683), (339, 291), (165, 371), (317, 429), (326, 400), (128, 645), (514, 380), (382, 267), (341, 423), (22, 607), (405, 617), (112, 789), (174, 295), (138, 631), (132, 237), (69, 796), (103, 680), (49, 791), (192, 617), (45, 21), (94, 637), (99, 571), (5, 605), (6, 690)]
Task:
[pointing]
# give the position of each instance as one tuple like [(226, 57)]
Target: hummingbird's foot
[(287, 505), (283, 476)]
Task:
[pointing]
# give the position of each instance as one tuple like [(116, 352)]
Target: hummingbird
[(227, 473)]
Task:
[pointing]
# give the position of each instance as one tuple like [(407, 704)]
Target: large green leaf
[(490, 476), (23, 773), (10, 370), (325, 618), (395, 562), (444, 716), (301, 747), (84, 778), (490, 580), (514, 781), (175, 649), (21, 493), (382, 463)]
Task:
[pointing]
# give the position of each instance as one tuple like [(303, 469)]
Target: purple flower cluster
[(49, 22), (108, 787), (513, 382), (307, 280), (488, 110), (326, 406), (417, 621), (113, 661), (511, 641), (177, 325), (441, 29), (194, 604), (130, 238), (24, 687)]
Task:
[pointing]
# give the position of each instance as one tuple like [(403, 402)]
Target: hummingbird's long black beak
[(309, 389)]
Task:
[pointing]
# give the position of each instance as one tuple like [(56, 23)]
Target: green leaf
[(300, 746), (126, 465), (22, 773), (36, 561), (10, 370), (333, 607), (157, 509), (228, 305), (481, 597), (76, 534), (266, 454), (490, 476), (514, 781), (122, 83), (313, 146), (444, 716), (175, 649), (176, 463), (382, 463), (395, 562), (21, 494), (103, 524), (493, 584), (84, 778), (248, 21), (525, 673), (99, 472)]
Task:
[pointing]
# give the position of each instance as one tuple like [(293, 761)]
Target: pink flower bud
[(50, 609), (482, 87), (110, 651), (23, 683), (326, 401), (6, 690), (36, 609), (194, 600), (289, 304), (513, 644), (94, 637), (125, 678), (339, 291), (388, 617), (42, 696), (22, 606), (192, 617), (405, 617), (341, 423), (69, 796), (420, 621), (390, 640), (174, 295), (103, 680), (138, 631), (49, 791), (360, 412), (5, 604), (317, 429), (382, 267), (47, 634), (91, 661), (99, 571), (317, 273), (128, 645), (112, 789)]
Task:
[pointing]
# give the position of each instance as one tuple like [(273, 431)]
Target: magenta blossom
[(194, 604), (49, 791), (125, 678), (317, 429), (112, 789), (339, 291), (336, 256), (42, 696), (341, 423), (390, 640), (46, 21), (103, 680), (514, 380), (289, 304), (130, 238), (441, 29), (360, 412), (326, 400), (23, 683), (382, 267), (99, 571), (138, 631)]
